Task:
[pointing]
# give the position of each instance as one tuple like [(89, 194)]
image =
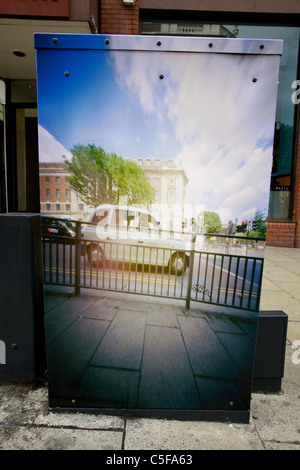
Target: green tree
[(99, 177), (212, 222), (259, 225)]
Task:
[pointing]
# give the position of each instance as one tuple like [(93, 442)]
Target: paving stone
[(61, 317), (166, 376), (162, 316), (107, 388), (101, 310), (151, 434), (122, 345), (223, 394), (68, 356), (241, 349), (206, 353), (41, 438)]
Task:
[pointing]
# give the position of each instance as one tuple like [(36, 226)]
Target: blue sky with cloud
[(206, 113)]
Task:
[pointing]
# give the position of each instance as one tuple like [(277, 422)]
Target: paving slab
[(207, 355), (167, 380), (107, 388), (162, 316), (149, 434), (71, 352), (292, 288), (293, 331), (101, 310), (122, 346), (41, 438), (277, 416), (280, 300)]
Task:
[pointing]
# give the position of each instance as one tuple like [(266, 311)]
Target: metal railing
[(223, 270)]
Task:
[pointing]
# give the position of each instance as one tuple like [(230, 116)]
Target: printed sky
[(207, 113)]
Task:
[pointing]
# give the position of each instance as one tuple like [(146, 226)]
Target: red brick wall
[(63, 185), (281, 234), (116, 18)]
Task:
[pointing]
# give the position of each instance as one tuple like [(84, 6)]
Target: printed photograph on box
[(155, 158)]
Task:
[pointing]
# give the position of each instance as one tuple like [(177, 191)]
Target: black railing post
[(77, 257), (191, 269)]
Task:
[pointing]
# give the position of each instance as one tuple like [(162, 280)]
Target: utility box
[(270, 351), (194, 118), (22, 336)]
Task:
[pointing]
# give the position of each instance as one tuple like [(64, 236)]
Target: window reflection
[(282, 168)]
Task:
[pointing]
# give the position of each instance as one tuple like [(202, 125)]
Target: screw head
[(159, 43), (54, 40), (161, 76), (66, 74), (106, 41), (210, 44)]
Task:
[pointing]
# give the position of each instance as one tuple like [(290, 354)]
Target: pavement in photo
[(108, 351)]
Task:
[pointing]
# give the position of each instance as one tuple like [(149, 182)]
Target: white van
[(131, 234)]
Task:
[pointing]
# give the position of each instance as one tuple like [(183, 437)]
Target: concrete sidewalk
[(26, 423)]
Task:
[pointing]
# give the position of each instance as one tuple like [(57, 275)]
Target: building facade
[(57, 198), (19, 176), (168, 179)]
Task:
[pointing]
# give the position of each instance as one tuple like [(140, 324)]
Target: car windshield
[(101, 216), (147, 220), (125, 218)]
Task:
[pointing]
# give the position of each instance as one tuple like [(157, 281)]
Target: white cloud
[(221, 119), (50, 150)]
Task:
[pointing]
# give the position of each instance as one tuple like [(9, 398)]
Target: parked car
[(131, 234), (54, 226)]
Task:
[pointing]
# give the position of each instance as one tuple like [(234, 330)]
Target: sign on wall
[(169, 144)]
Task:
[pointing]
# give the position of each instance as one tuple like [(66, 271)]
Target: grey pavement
[(27, 423)]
